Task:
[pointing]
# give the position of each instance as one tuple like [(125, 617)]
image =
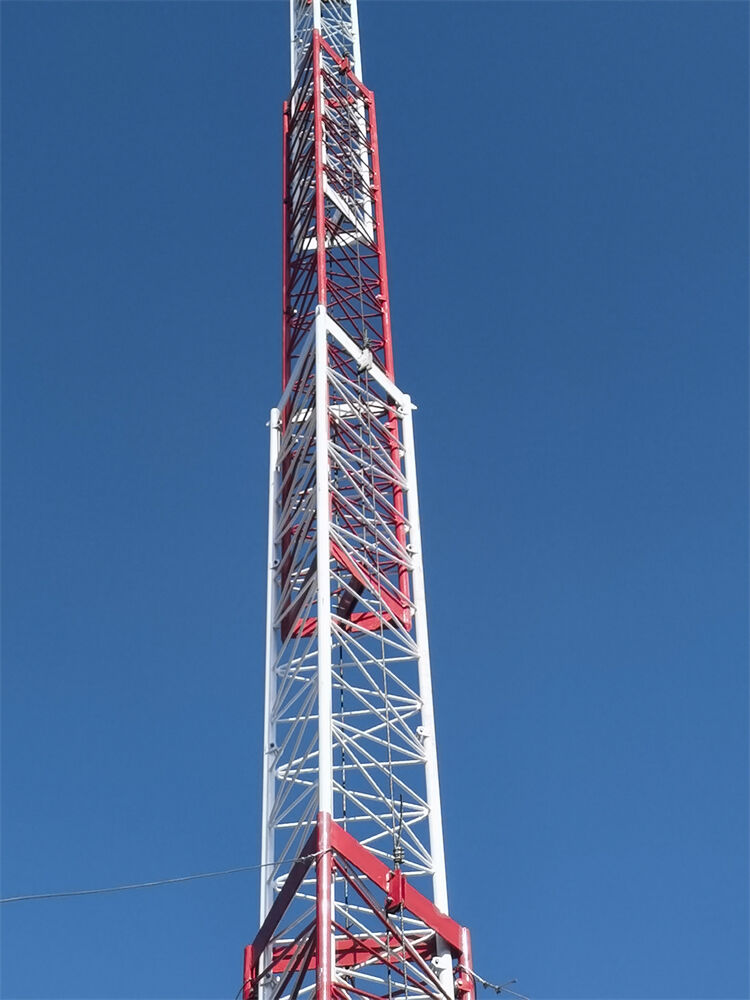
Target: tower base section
[(345, 926)]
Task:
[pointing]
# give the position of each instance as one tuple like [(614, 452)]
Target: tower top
[(338, 23)]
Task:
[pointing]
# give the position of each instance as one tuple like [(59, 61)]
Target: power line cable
[(503, 988), (237, 994), (155, 882)]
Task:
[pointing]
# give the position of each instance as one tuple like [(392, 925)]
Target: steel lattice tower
[(353, 891)]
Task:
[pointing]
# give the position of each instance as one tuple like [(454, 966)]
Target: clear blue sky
[(567, 218)]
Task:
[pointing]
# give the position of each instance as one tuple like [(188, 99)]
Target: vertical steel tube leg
[(248, 974), (324, 881), (467, 986)]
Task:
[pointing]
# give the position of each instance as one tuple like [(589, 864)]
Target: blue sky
[(567, 222)]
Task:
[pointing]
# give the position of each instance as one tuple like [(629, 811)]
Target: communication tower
[(353, 899)]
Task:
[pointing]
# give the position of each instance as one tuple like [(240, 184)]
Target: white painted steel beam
[(322, 507)]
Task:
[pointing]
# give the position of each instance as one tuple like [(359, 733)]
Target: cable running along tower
[(353, 893)]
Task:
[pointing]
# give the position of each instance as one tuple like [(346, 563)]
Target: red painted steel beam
[(352, 951), (465, 985), (424, 909), (320, 212), (248, 973), (408, 950)]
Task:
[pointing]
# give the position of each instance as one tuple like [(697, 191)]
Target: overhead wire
[(237, 994), (155, 882), (502, 988)]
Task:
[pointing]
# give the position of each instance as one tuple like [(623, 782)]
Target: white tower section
[(349, 727)]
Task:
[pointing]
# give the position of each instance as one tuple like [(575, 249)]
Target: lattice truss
[(337, 22), (350, 768), (378, 738), (385, 941), (359, 620), (332, 183)]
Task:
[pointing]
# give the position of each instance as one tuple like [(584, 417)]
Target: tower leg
[(323, 891)]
